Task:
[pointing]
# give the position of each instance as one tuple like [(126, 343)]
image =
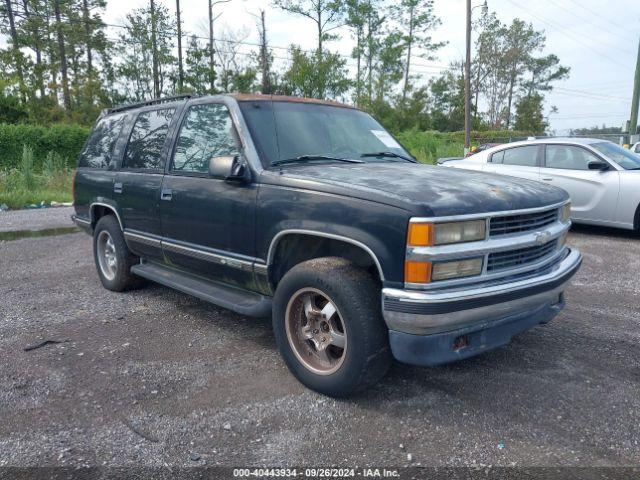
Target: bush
[(64, 141)]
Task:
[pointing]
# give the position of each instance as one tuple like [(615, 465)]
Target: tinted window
[(497, 157), (147, 139), (98, 150), (207, 132), (567, 157), (523, 156)]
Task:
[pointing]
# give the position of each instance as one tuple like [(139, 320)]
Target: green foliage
[(316, 76), (63, 141), (529, 115), (44, 188), (26, 168)]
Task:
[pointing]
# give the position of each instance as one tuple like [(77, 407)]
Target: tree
[(417, 20), (529, 114), (197, 71), (316, 77), (147, 72), (326, 14), (447, 102)]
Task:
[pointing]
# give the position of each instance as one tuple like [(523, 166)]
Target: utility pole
[(180, 68), (212, 65), (633, 122), (264, 56), (467, 85), (154, 50)]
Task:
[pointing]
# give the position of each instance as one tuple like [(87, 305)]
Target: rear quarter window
[(146, 143), (98, 151)]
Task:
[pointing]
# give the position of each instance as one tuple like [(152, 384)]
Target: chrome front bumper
[(425, 313)]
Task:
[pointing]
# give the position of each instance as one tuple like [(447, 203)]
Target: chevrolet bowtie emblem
[(543, 237)]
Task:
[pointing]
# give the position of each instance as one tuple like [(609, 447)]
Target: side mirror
[(598, 165), (229, 167)]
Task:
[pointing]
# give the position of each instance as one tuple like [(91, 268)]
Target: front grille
[(520, 257), (522, 223)]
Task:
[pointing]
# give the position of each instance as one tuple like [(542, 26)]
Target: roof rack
[(122, 108)]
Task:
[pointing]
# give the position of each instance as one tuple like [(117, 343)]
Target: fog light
[(457, 269)]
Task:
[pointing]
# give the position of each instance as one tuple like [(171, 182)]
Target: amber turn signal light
[(417, 272), (420, 235)]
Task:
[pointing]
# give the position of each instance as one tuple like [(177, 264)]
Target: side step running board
[(240, 301)]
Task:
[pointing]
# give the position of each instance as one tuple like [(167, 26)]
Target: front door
[(207, 223), (137, 184), (594, 194)]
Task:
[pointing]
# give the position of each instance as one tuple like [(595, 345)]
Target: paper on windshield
[(385, 138)]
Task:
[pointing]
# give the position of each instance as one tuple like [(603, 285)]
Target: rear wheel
[(112, 256), (329, 328)]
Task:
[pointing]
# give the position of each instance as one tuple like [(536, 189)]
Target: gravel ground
[(156, 378), (36, 219)]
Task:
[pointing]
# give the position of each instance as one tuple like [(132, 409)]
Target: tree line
[(62, 62)]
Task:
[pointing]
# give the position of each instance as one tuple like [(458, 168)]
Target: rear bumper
[(429, 328)]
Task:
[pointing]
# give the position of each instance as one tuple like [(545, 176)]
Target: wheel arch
[(636, 219), (97, 210), (291, 247)]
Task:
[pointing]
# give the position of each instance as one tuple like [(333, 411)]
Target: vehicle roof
[(240, 97), (250, 97)]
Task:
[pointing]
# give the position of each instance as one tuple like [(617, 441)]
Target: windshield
[(289, 130), (623, 157)]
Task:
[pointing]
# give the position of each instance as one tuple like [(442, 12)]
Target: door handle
[(548, 179), (117, 187), (166, 194)]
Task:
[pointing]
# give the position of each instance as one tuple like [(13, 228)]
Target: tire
[(114, 269), (310, 340)]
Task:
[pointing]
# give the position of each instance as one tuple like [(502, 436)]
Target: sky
[(598, 40)]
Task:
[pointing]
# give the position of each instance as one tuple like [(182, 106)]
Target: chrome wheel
[(316, 331), (106, 251)]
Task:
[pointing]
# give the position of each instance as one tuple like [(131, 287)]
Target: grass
[(427, 147), (23, 186)]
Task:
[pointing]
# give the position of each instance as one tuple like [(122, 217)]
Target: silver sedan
[(602, 178)]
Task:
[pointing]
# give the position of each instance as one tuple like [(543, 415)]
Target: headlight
[(565, 212), (457, 269), (429, 234)]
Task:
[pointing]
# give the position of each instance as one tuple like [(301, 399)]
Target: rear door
[(594, 194), (137, 187), (207, 223), (522, 161)]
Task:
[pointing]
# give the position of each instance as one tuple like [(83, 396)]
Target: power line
[(563, 31), (588, 20)]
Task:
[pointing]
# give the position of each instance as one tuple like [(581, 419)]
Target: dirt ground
[(157, 378)]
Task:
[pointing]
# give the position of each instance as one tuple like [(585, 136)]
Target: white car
[(602, 178), (635, 148)]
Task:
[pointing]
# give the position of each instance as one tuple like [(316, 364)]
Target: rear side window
[(522, 156), (144, 150), (98, 151)]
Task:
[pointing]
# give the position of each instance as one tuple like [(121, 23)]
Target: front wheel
[(329, 328)]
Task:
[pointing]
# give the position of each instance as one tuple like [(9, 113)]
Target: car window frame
[(163, 152), (503, 150), (169, 170), (593, 152)]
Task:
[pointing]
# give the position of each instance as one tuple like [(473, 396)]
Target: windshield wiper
[(305, 158), (389, 154)]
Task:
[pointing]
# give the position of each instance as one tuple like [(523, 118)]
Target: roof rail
[(156, 101)]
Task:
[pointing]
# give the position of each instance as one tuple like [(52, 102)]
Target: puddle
[(47, 232)]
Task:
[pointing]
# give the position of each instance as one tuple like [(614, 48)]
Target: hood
[(424, 189)]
